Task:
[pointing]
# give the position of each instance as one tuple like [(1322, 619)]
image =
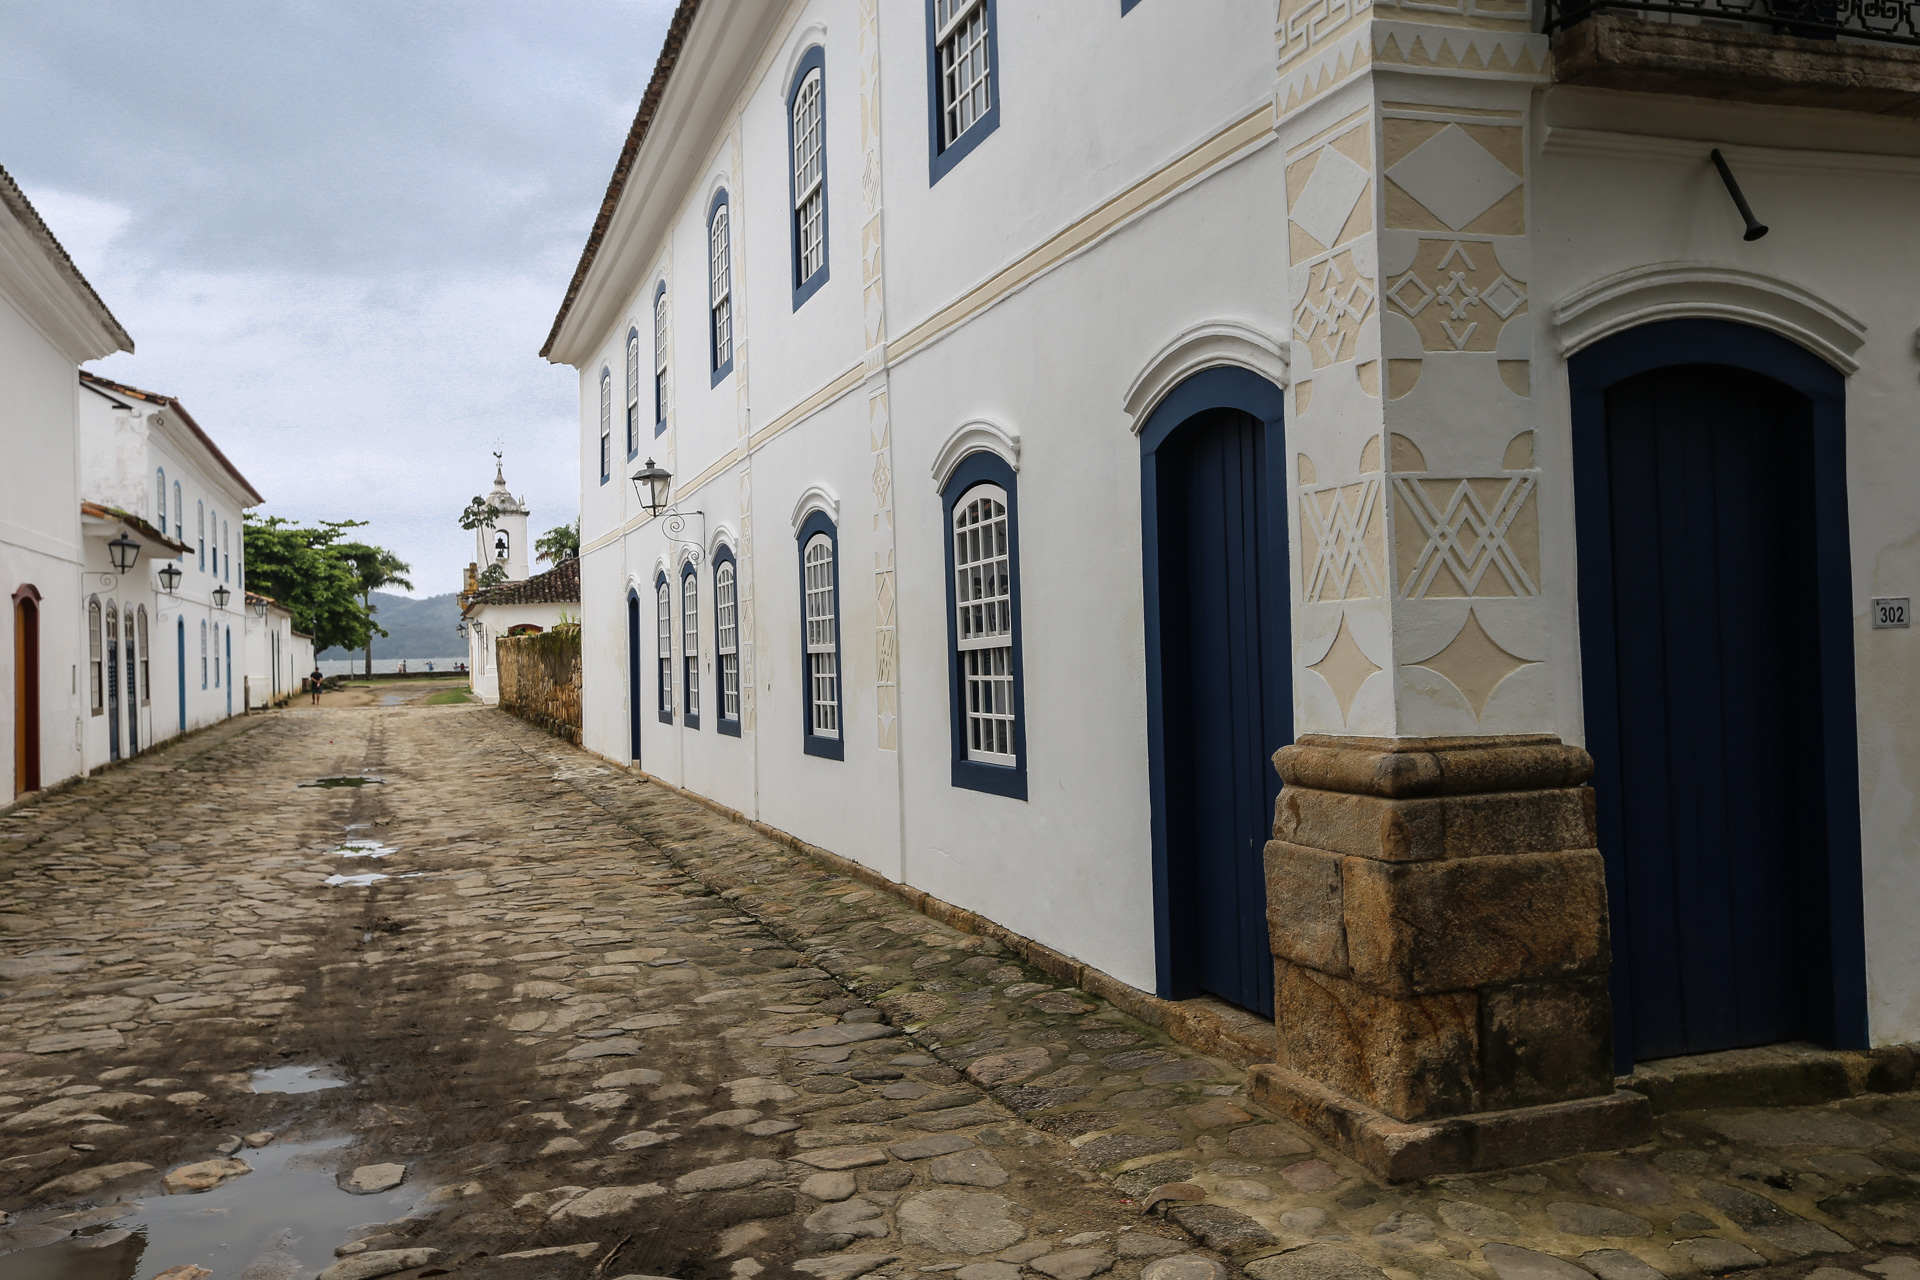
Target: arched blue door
[(1717, 663), (228, 633), (1220, 702), (180, 651), (113, 684), (633, 674)]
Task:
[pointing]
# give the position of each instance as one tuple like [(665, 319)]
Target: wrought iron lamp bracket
[(675, 523)]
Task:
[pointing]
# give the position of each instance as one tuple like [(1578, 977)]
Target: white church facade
[(520, 601), (1064, 409)]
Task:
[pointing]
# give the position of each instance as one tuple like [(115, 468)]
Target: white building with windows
[(518, 603), (278, 660), (51, 321), (166, 640), (1044, 414)]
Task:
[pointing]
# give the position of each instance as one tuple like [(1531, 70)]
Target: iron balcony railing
[(1883, 21)]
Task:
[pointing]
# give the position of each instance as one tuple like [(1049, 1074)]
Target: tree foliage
[(479, 514), (376, 567), (311, 571), (562, 542), (491, 576)]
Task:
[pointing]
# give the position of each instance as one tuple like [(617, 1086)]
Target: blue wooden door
[(180, 651), (1225, 704), (1712, 815), (113, 688), (633, 674)]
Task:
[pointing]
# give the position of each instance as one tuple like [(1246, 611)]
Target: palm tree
[(377, 567)]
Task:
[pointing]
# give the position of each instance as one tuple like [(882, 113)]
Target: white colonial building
[(1066, 406), (518, 603), (279, 659), (50, 322)]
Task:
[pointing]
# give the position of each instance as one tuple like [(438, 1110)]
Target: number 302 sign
[(1892, 611)]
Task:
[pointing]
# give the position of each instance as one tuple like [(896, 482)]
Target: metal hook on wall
[(1755, 227)]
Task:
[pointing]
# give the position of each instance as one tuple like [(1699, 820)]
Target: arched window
[(216, 655), (807, 177), (726, 639), (820, 609), (690, 643), (226, 552), (660, 359), (633, 393), (983, 627), (720, 288), (202, 506), (606, 424), (663, 634), (96, 675), (146, 666), (215, 526), (160, 502), (203, 654), (963, 50), (179, 515)]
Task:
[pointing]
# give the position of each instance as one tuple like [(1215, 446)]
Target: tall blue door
[(1224, 702), (633, 674), (180, 651), (1704, 709)]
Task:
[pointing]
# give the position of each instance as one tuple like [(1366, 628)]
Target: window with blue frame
[(986, 679), (690, 642), (606, 424), (807, 175), (726, 639), (963, 90), (820, 636), (160, 477), (226, 552), (216, 546), (202, 535), (720, 287), (179, 515), (203, 654), (660, 358), (663, 632), (633, 393)]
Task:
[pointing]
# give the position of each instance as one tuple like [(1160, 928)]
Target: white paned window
[(966, 81), (226, 551), (606, 425), (809, 195), (203, 535), (216, 656), (161, 480), (823, 662), (720, 288), (633, 391), (203, 655), (95, 674), (146, 668), (983, 625), (690, 641), (660, 358), (179, 515), (726, 640), (664, 618), (215, 526)]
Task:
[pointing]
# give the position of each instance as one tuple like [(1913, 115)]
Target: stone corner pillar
[(1438, 915)]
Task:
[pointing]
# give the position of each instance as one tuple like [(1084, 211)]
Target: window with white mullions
[(809, 193), (966, 78), (660, 360), (823, 648), (606, 424), (726, 639), (633, 392), (983, 623), (663, 605), (720, 288), (690, 643)]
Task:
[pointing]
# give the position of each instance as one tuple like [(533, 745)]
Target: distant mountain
[(418, 629)]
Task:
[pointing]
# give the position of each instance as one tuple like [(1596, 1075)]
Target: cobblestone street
[(572, 1024)]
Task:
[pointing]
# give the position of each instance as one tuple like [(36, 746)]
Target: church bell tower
[(505, 541)]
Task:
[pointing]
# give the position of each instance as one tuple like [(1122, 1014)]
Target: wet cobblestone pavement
[(582, 1026)]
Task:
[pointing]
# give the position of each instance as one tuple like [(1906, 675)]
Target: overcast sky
[(338, 231)]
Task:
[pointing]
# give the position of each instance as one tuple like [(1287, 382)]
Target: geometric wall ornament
[(1474, 663), (1457, 296), (1327, 201), (1461, 537), (1519, 455), (1343, 542), (1345, 667), (1454, 177), (1338, 297)]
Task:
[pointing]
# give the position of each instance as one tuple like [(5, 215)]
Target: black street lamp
[(169, 577), (652, 483), (259, 606), (220, 597), (123, 551), (461, 627)]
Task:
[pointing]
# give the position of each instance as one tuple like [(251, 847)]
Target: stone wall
[(540, 679)]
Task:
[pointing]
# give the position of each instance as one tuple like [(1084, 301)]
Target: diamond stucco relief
[(1345, 667), (1342, 541), (1474, 663), (1454, 177), (1337, 299), (1457, 296), (1332, 191)]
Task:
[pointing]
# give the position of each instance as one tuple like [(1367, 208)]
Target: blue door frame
[(1201, 942), (1832, 932), (633, 674), (228, 633), (180, 651)]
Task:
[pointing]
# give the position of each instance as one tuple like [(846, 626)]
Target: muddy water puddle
[(345, 780), (280, 1222), (292, 1080), (364, 849)]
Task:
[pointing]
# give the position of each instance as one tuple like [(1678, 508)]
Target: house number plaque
[(1892, 611)]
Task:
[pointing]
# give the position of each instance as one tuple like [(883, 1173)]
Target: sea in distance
[(387, 666)]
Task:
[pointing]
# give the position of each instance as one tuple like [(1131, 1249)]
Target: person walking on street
[(313, 682)]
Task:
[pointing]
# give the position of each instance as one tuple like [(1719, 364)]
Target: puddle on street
[(291, 1080), (361, 881), (283, 1219), (364, 849), (350, 780)]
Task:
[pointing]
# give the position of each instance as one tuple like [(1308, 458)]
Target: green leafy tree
[(304, 568), (491, 576), (479, 514), (559, 543), (376, 567)]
